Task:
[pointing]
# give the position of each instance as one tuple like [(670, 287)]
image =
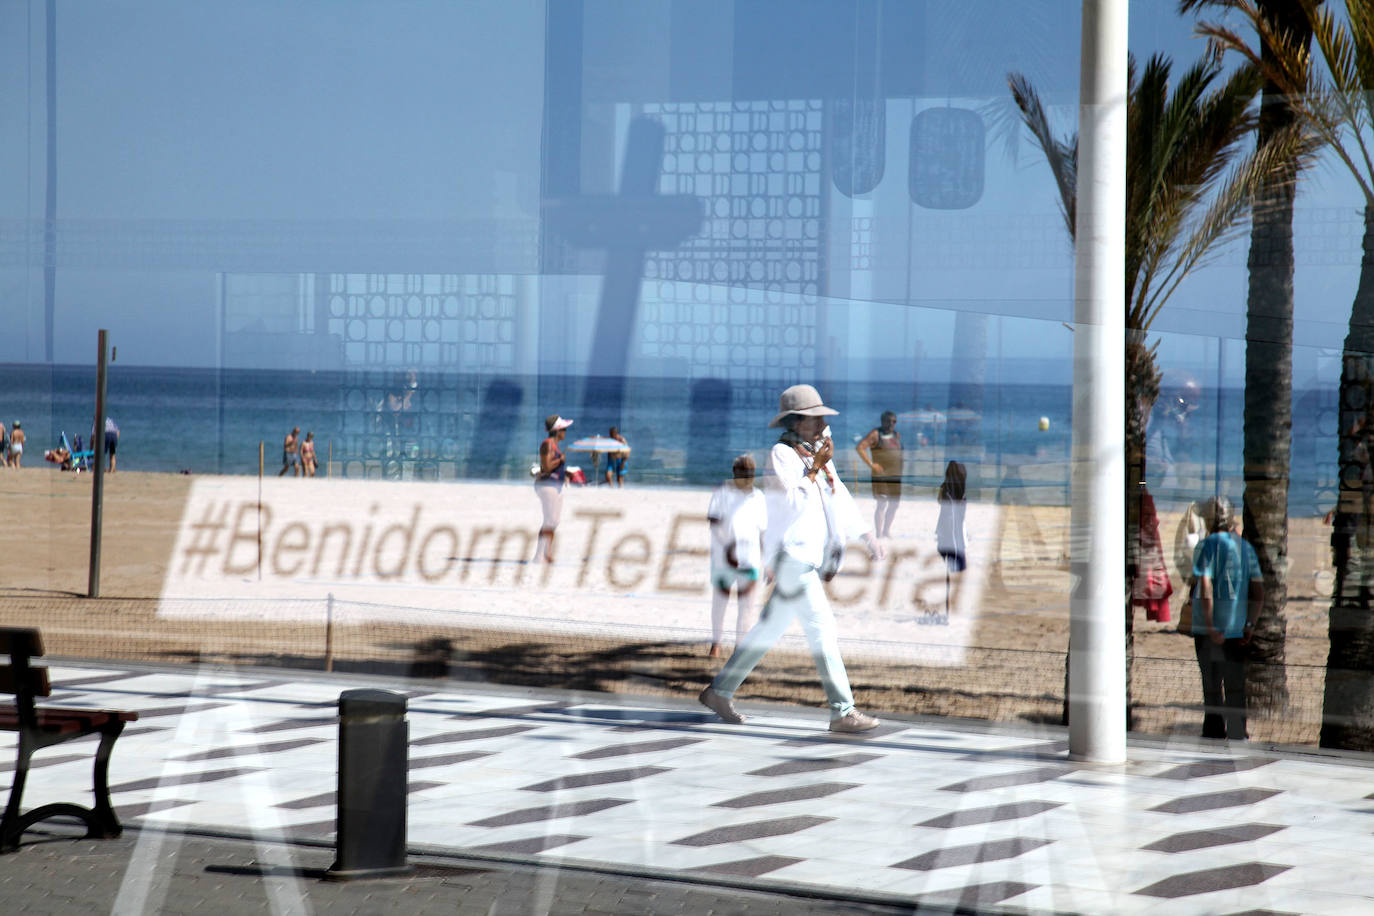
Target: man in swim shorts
[(291, 453)]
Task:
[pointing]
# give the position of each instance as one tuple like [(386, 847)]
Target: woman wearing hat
[(548, 483), (810, 517)]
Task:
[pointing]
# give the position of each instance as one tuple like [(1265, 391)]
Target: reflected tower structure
[(767, 111)]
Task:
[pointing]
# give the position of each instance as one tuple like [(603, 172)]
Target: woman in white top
[(949, 531), (811, 516)]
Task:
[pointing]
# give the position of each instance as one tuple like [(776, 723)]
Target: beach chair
[(81, 460)]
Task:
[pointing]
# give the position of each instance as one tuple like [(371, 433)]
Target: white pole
[(1097, 649)]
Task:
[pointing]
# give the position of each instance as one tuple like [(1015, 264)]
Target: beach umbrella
[(597, 444), (922, 416)]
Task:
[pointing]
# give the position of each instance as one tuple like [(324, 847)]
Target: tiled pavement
[(924, 811)]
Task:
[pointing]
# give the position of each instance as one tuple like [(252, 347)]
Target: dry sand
[(1012, 645)]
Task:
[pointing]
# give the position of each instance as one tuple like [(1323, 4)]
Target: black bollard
[(373, 764)]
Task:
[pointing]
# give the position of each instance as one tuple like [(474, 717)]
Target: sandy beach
[(430, 579)]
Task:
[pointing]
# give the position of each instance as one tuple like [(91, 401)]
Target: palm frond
[(1336, 102), (1273, 164), (1062, 155), (1185, 192)]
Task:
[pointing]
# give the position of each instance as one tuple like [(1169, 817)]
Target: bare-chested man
[(291, 453)]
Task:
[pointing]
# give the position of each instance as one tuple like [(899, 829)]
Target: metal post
[(1097, 649), (98, 482), (329, 633), (1221, 380), (373, 742)]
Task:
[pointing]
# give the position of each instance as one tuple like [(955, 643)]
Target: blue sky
[(178, 119)]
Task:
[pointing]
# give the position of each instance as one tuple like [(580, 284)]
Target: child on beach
[(738, 514), (949, 533)]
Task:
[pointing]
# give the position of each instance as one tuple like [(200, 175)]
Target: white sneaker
[(721, 706), (854, 721)]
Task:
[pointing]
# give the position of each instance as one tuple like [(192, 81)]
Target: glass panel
[(357, 261)]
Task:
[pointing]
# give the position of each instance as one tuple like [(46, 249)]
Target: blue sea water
[(682, 432)]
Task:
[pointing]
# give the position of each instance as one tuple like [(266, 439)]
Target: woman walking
[(810, 518)]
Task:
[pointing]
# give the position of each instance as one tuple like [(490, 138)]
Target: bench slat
[(20, 641), (65, 720), (31, 681)]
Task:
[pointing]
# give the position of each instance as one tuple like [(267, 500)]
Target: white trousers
[(797, 593)]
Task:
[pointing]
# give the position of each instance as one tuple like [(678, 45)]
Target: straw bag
[(1185, 613)]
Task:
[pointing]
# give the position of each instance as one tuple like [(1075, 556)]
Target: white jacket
[(802, 519)]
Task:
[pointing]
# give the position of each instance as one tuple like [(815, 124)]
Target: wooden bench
[(40, 727)]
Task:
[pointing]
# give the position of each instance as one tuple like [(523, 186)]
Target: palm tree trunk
[(1348, 701), (1269, 387), (1142, 390)]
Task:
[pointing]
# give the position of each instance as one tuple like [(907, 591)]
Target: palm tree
[(1336, 102), (1187, 189), (1269, 373)]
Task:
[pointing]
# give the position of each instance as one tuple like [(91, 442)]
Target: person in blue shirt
[(1228, 593)]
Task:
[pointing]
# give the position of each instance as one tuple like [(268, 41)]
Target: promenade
[(536, 801)]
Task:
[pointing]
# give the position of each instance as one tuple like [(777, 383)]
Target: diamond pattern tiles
[(813, 764), (1247, 874), (606, 777), (551, 812), (249, 749), (738, 833), (327, 798), (990, 814), (1213, 800), (530, 845), (473, 734), (443, 760), (1007, 780), (182, 779), (951, 856), (782, 796), (1204, 768), (643, 747), (42, 760), (1222, 836), (929, 813), (749, 868)]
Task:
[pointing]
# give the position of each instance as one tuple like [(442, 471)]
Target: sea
[(1015, 438)]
